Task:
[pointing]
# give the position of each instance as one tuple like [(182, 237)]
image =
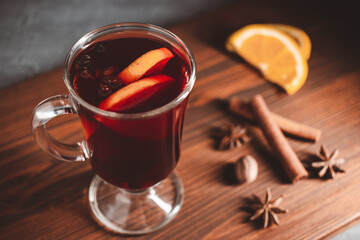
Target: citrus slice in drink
[(298, 35), (151, 62), (274, 53), (136, 93)]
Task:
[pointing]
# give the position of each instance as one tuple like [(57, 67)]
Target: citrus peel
[(301, 38)]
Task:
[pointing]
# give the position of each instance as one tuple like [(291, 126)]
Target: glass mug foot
[(133, 213)]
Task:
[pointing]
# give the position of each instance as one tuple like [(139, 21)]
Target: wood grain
[(42, 198)]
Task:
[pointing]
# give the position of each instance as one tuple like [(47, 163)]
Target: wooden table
[(43, 198)]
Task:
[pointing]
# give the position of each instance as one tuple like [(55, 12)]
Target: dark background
[(35, 35)]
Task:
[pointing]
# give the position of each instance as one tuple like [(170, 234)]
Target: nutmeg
[(246, 169)]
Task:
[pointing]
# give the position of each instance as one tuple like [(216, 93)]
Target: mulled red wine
[(131, 75)]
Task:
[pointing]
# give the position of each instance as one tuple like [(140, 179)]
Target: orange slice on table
[(298, 35), (274, 53)]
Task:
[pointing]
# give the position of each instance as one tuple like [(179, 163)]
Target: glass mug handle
[(44, 112)]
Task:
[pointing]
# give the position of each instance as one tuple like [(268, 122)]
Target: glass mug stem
[(43, 113)]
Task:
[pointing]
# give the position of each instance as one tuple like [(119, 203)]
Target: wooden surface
[(43, 198)]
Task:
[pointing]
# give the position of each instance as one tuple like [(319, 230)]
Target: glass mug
[(135, 190)]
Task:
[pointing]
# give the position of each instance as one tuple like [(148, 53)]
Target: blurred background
[(35, 35)]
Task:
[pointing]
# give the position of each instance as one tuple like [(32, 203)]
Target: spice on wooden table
[(232, 136), (269, 208), (242, 109), (277, 141), (246, 169), (328, 163)]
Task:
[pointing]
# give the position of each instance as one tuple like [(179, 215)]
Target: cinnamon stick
[(276, 139), (242, 109)]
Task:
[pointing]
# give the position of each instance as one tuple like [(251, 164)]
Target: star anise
[(233, 136), (329, 163), (268, 208)]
